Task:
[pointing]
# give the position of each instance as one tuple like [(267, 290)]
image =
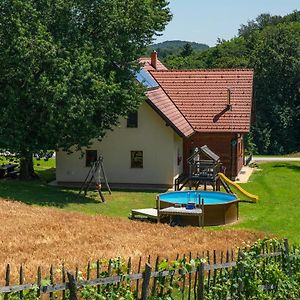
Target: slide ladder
[(231, 183)]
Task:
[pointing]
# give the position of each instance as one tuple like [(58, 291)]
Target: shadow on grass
[(40, 193), (293, 167), (46, 175), (136, 190)]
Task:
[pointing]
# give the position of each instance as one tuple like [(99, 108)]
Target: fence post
[(7, 280), (286, 255), (21, 281), (200, 270), (39, 281), (72, 286), (146, 281), (51, 281), (241, 257)]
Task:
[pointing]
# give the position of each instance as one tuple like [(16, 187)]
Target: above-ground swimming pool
[(219, 208)]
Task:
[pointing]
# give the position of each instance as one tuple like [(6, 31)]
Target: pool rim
[(210, 204)]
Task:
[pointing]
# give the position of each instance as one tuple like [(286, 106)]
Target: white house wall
[(159, 143)]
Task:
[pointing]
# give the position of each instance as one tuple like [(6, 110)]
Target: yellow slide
[(251, 197)]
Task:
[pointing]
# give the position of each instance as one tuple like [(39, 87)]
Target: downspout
[(233, 144)]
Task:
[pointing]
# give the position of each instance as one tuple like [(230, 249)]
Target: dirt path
[(274, 158)]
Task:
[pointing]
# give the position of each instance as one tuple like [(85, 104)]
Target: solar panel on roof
[(146, 79)]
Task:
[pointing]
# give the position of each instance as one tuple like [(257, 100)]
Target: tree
[(259, 23), (187, 50), (66, 69), (276, 60)]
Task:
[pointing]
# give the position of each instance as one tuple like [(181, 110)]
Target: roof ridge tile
[(202, 70)]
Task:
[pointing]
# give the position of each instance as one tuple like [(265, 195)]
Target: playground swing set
[(94, 176)]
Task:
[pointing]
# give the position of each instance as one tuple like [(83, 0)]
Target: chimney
[(154, 59), (229, 105)]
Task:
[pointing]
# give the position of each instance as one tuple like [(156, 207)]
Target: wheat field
[(34, 236)]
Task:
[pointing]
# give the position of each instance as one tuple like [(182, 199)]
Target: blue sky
[(206, 20)]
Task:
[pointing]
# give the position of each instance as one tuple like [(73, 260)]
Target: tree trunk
[(26, 167)]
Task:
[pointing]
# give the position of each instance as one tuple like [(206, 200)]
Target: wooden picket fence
[(144, 282)]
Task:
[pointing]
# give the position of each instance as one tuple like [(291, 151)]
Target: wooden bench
[(150, 213)]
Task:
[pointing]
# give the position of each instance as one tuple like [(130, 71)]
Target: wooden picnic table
[(5, 169)]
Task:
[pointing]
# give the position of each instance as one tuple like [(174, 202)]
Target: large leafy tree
[(66, 69), (276, 60)]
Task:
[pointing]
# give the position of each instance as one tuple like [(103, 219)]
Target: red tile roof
[(145, 62), (201, 97), (162, 104)]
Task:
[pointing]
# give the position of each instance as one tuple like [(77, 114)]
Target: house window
[(90, 157), (137, 159), (132, 120)]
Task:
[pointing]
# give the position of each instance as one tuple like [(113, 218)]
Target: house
[(184, 110)]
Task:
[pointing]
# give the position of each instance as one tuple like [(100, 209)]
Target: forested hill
[(271, 46), (169, 48)]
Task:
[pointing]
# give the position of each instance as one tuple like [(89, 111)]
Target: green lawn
[(296, 154), (39, 192), (277, 211)]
